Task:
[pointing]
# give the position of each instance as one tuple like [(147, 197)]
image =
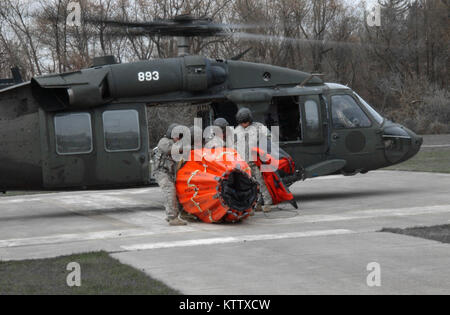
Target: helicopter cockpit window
[(121, 129), (347, 113), (371, 110), (73, 133)]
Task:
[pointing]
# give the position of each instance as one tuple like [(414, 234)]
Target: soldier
[(165, 173), (251, 131), (216, 141)]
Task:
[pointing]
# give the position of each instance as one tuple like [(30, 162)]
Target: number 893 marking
[(148, 76)]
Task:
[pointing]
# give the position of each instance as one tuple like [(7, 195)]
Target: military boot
[(267, 208), (176, 222), (188, 217)]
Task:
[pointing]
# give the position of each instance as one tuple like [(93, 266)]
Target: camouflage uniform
[(165, 175), (251, 134)]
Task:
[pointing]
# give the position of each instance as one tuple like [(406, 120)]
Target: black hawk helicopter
[(90, 129)]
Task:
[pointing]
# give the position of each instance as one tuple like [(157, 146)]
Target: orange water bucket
[(216, 186)]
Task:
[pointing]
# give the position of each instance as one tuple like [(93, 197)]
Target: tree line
[(401, 66)]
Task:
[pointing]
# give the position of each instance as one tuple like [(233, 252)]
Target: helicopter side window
[(312, 120), (73, 133), (121, 130), (347, 114)]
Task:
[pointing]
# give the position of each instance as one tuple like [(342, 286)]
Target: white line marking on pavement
[(230, 240), (325, 177), (78, 195), (363, 214), (79, 237), (414, 173)]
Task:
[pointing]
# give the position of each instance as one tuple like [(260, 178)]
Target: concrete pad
[(131, 224), (316, 265)]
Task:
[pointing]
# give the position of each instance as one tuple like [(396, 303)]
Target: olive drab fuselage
[(90, 128)]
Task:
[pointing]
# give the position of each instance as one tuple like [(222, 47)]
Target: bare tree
[(17, 16)]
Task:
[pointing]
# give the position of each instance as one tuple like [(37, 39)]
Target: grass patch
[(427, 160), (440, 233), (100, 274)]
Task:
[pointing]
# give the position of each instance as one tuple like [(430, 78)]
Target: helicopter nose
[(401, 143), (416, 144)]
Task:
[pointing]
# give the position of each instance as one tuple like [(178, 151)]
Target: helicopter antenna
[(310, 77), (242, 54)]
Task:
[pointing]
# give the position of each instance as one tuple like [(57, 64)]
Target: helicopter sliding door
[(102, 147), (302, 128)]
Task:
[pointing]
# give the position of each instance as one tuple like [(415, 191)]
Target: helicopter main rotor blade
[(184, 25), (263, 37), (171, 22), (134, 32), (189, 26), (120, 23)]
